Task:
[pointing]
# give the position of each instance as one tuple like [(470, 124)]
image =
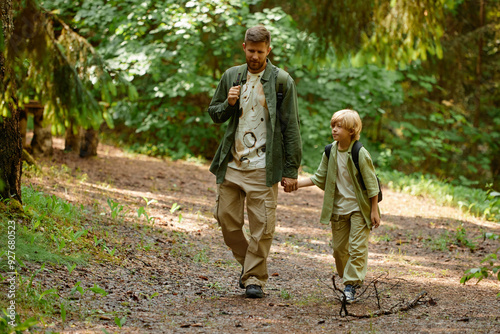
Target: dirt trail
[(182, 258)]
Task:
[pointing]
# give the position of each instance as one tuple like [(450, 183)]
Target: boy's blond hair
[(349, 119)]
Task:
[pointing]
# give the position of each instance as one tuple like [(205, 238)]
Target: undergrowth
[(47, 231), (477, 202)]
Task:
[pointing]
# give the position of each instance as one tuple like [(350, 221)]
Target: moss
[(12, 208), (15, 207)]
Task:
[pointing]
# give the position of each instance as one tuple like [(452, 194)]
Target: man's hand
[(289, 184), (233, 95)]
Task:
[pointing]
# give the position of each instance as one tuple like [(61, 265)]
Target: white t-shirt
[(345, 198), (249, 149)]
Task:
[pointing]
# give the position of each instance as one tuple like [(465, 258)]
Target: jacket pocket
[(270, 217)]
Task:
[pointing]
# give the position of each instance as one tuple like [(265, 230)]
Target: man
[(260, 148)]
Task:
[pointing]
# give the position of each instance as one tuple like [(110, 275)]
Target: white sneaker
[(349, 293)]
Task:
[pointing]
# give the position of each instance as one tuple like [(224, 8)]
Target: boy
[(351, 210)]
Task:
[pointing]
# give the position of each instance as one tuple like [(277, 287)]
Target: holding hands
[(289, 185)]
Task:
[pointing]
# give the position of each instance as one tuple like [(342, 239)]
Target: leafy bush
[(367, 90), (174, 53)]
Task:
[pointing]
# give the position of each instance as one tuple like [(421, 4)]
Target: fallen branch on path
[(399, 307), (392, 310)]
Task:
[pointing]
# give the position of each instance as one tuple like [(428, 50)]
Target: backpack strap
[(239, 77), (281, 83), (328, 149), (355, 158)]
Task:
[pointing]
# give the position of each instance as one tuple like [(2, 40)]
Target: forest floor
[(175, 275)]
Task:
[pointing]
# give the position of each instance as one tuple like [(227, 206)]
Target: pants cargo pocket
[(270, 217), (216, 209)]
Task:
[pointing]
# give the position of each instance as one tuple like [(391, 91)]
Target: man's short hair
[(349, 120), (258, 34)]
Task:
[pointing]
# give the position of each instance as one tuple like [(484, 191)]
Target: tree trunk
[(41, 144), (477, 95), (23, 127), (11, 147), (11, 150), (73, 139), (90, 141)]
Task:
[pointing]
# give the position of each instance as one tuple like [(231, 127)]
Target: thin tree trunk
[(73, 139), (11, 147), (90, 141), (41, 144), (477, 115)]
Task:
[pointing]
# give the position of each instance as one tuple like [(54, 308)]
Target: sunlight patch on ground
[(296, 251), (311, 231), (131, 193)]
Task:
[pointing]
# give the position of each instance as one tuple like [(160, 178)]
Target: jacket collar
[(268, 71)]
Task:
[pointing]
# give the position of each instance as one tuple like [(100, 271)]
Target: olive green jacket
[(283, 152), (326, 176)]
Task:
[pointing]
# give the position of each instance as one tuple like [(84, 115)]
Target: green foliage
[(426, 116), (201, 256), (20, 326), (145, 211), (284, 294), (47, 218), (368, 90), (120, 321), (115, 207), (461, 238), (391, 33), (439, 242), (95, 289), (61, 69), (490, 265)]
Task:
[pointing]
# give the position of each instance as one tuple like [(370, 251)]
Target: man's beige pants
[(251, 250), (350, 247)]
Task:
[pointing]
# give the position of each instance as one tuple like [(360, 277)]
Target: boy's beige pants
[(251, 250), (350, 247)]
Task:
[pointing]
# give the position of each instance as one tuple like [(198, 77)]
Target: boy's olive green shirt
[(283, 152), (326, 175)]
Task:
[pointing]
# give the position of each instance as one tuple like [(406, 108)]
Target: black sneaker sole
[(254, 292)]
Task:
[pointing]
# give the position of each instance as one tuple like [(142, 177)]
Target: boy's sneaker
[(254, 291), (349, 292)]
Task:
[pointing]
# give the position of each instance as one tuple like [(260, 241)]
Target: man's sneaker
[(242, 286), (254, 291), (349, 292)]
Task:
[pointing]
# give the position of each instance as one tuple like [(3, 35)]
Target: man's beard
[(255, 65)]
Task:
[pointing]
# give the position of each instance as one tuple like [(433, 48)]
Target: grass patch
[(477, 202), (34, 247), (47, 230)]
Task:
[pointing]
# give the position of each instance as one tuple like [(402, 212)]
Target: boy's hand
[(233, 95), (374, 215), (289, 184), (375, 218)]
